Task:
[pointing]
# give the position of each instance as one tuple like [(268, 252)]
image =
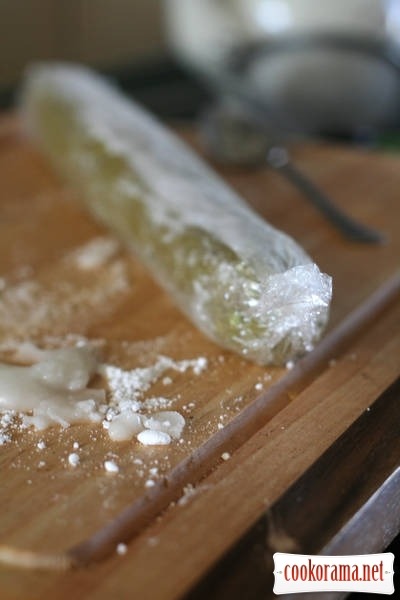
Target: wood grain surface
[(274, 435), (346, 503)]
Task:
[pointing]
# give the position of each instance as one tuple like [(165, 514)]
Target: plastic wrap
[(246, 285)]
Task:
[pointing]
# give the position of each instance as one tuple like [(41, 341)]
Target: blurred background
[(125, 38), (99, 32), (322, 68)]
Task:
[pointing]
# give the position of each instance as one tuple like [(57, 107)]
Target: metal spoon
[(234, 136)]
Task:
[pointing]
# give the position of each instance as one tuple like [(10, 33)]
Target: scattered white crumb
[(122, 549), (153, 471), (94, 253), (259, 386), (4, 438), (73, 459), (149, 483), (225, 456), (125, 401), (220, 425), (150, 437), (169, 422), (7, 418), (188, 492), (128, 386), (200, 365), (290, 365), (157, 403), (126, 391), (110, 466), (7, 422), (41, 464)]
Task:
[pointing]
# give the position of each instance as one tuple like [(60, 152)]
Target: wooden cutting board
[(81, 514)]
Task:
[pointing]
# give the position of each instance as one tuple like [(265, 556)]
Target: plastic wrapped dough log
[(246, 285)]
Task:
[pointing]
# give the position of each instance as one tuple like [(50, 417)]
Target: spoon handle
[(278, 158)]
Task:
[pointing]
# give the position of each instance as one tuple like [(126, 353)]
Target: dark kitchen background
[(123, 38)]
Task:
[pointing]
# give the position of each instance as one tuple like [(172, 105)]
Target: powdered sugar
[(126, 415), (58, 394), (4, 437), (66, 301), (128, 386)]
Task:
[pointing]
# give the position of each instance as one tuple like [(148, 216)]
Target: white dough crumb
[(225, 456), (73, 459), (110, 466), (41, 444), (188, 492), (95, 253), (122, 549), (200, 366), (259, 386), (289, 365), (4, 438), (150, 483), (170, 422), (75, 445), (127, 389), (150, 437)]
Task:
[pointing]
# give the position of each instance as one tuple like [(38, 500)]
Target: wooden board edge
[(199, 464)]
